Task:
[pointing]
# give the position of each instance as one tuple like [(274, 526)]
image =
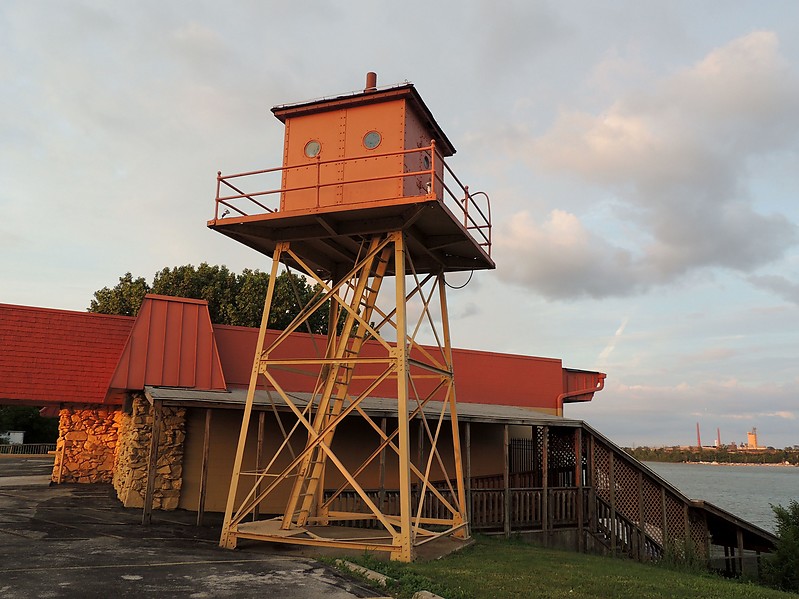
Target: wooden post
[(740, 537), (506, 477), (578, 483), (545, 483), (708, 541), (152, 462), (641, 518), (420, 445), (592, 520), (259, 455), (381, 493), (204, 468), (469, 504), (727, 567), (612, 490), (61, 453), (664, 538), (687, 524)]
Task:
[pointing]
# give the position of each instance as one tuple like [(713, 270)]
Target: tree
[(24, 418), (214, 284), (124, 299), (781, 568), (232, 299)]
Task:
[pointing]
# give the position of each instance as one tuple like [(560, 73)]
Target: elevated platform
[(328, 238), (326, 208)]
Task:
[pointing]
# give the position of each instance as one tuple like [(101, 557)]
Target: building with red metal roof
[(104, 373)]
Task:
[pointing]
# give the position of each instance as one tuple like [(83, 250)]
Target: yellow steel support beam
[(396, 354)]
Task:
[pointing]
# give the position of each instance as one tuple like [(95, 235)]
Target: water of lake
[(746, 491)]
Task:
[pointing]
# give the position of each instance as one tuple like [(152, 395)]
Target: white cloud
[(667, 414), (560, 258), (605, 353), (780, 285), (677, 157)]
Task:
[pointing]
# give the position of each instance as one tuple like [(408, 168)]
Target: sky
[(642, 160)]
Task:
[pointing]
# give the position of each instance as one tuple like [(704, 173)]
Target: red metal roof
[(481, 377), (171, 345), (55, 356)]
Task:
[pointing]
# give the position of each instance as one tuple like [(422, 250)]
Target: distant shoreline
[(771, 465)]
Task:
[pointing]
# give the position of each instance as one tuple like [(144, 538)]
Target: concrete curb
[(381, 579), (377, 577)]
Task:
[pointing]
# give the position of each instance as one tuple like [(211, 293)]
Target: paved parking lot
[(77, 541)]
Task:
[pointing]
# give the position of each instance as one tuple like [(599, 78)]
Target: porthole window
[(426, 160), (312, 148), (371, 140)]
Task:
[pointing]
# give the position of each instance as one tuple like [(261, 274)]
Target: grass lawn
[(498, 568)]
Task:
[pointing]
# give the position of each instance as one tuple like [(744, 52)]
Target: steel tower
[(365, 208)]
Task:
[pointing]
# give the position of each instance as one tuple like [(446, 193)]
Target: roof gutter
[(598, 387)]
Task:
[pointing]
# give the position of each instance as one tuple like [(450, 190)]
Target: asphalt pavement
[(76, 540)]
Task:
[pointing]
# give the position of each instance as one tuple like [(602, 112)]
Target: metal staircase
[(306, 493)]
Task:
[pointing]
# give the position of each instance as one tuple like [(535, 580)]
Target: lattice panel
[(602, 471), (561, 457), (675, 520), (538, 465), (626, 484), (698, 534), (653, 511), (586, 448)]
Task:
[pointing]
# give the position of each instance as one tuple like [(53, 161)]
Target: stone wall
[(130, 472), (87, 445)]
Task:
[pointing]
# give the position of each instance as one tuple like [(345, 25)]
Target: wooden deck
[(566, 480)]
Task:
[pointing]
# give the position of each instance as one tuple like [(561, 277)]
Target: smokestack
[(718, 437), (698, 438), (371, 82)]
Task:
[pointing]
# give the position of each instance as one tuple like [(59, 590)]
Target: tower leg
[(405, 538), (294, 481), (228, 540), (463, 533)]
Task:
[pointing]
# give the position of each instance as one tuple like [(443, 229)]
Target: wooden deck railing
[(623, 536), (575, 479)]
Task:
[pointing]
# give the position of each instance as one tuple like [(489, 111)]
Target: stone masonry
[(130, 472), (87, 445)]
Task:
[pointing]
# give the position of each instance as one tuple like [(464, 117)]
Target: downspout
[(599, 386)]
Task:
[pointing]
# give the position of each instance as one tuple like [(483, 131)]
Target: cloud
[(605, 353), (512, 38), (667, 414), (676, 156), (780, 285), (560, 258)]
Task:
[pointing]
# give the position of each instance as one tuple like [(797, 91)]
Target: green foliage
[(403, 581), (682, 556), (124, 299), (24, 418), (507, 569), (722, 455), (781, 568), (214, 284), (232, 299)]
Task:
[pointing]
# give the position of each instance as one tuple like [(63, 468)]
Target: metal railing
[(27, 449), (263, 194), (610, 497)]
